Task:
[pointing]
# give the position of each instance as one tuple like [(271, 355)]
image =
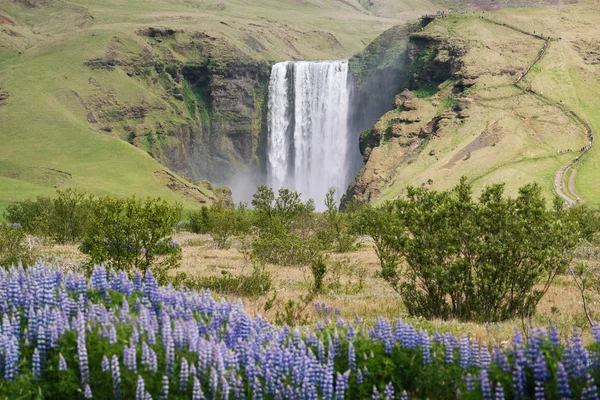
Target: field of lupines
[(110, 337)]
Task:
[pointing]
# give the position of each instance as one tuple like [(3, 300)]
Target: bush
[(476, 260), (199, 220), (33, 216), (64, 219), (13, 249), (286, 228), (222, 223), (318, 268), (70, 216), (129, 234), (337, 225)]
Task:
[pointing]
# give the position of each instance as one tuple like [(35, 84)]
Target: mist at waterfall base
[(317, 110), (310, 146)]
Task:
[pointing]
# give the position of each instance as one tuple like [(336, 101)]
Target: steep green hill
[(102, 95), (465, 116)]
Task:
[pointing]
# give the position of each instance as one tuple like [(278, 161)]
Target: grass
[(511, 137), (204, 262), (44, 123)]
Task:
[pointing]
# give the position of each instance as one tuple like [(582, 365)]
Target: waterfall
[(308, 145)]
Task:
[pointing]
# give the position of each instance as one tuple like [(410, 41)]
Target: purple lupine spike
[(518, 379), (341, 385), (564, 392), (164, 389), (87, 392), (359, 377), (484, 356), (540, 371), (62, 363), (116, 377), (184, 375), (470, 383), (484, 382), (257, 393), (404, 395), (375, 395), (591, 391), (140, 389), (539, 393), (449, 356), (197, 393), (170, 368), (389, 392), (425, 347), (499, 395), (351, 357), (554, 336), (35, 364)]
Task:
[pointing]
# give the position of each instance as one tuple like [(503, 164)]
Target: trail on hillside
[(565, 189)]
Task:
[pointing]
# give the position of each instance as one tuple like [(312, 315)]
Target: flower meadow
[(112, 337)]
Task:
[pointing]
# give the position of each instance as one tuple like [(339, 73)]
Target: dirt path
[(567, 192)]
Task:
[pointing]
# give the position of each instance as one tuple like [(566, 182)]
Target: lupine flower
[(116, 377), (87, 392), (140, 390), (389, 391), (375, 395), (564, 392), (196, 390), (499, 392), (164, 390), (62, 363), (351, 357), (184, 375), (35, 364)]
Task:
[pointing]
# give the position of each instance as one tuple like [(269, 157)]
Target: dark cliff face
[(221, 138)]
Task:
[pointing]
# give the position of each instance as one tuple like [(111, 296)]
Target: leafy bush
[(318, 268), (337, 225), (476, 261), (199, 220), (64, 218), (129, 234), (13, 249), (33, 216), (285, 227)]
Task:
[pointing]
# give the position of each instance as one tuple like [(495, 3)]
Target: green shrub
[(13, 249), (337, 225), (70, 216), (285, 228), (318, 268), (198, 220), (63, 219), (476, 260), (130, 234), (33, 216), (222, 223)]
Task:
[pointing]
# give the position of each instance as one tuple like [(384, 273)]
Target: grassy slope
[(531, 132), (43, 125)]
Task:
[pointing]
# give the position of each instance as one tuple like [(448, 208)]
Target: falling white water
[(308, 128)]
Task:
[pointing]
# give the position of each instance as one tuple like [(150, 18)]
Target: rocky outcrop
[(402, 133), (209, 121)]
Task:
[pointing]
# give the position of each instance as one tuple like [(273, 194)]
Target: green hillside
[(76, 92), (472, 120)]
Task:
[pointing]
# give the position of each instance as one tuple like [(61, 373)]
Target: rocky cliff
[(209, 116)]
